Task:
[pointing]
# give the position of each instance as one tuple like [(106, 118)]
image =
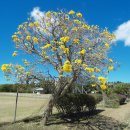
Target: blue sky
[(113, 14)]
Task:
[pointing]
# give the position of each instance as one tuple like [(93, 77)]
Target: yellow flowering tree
[(65, 41), (19, 74)]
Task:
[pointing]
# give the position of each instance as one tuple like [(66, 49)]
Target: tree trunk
[(48, 110), (60, 91)]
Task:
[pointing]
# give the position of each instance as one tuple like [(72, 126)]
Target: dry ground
[(105, 119), (27, 106)]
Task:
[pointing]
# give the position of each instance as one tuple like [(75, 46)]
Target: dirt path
[(121, 114)]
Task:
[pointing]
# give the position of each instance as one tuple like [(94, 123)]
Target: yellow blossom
[(106, 45), (28, 73), (75, 29), (14, 53), (93, 85), (67, 67), (93, 76), (15, 38), (78, 61), (48, 14), (46, 46), (66, 50), (35, 40), (36, 23), (102, 79), (97, 69), (85, 26), (82, 52), (90, 70), (110, 68), (89, 49), (20, 26), (54, 49), (110, 60), (76, 40), (5, 68), (26, 62), (31, 25), (46, 57), (43, 53), (28, 38), (65, 39), (71, 12), (79, 15), (77, 21), (103, 87)]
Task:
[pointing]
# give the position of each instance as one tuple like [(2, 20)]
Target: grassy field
[(27, 106)]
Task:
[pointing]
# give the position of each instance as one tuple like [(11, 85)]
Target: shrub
[(122, 98), (73, 103), (13, 88), (119, 88), (112, 101)]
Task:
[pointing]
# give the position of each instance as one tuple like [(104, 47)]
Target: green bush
[(13, 88), (122, 98), (119, 88), (73, 103), (112, 101)]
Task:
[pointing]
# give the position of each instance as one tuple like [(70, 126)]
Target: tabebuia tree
[(21, 75), (66, 43)]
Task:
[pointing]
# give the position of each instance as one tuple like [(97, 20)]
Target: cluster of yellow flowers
[(85, 26), (79, 15), (102, 82), (28, 73), (110, 60), (107, 45), (65, 39), (93, 76), (28, 38), (108, 35), (26, 63), (67, 67), (110, 68), (33, 24), (78, 61), (93, 85), (90, 70), (76, 40), (46, 46), (66, 50), (15, 38), (6, 67), (71, 12), (49, 14), (82, 52), (19, 68), (14, 53), (34, 39), (77, 21)]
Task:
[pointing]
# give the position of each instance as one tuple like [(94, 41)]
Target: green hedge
[(13, 88), (74, 103)]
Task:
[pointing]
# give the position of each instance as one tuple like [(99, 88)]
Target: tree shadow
[(86, 121)]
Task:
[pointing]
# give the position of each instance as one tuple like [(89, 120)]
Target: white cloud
[(37, 14), (123, 33)]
